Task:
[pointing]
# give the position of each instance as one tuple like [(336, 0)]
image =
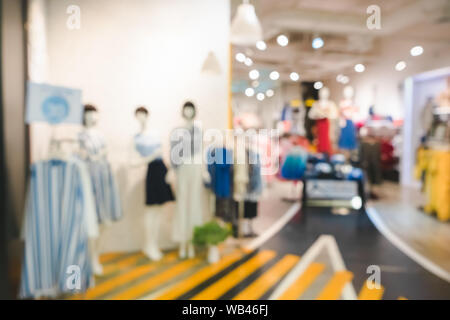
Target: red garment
[(323, 136)]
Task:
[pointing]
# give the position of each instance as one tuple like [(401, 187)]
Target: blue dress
[(347, 139)]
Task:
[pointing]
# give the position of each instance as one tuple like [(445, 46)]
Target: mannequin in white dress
[(187, 162), (148, 145)]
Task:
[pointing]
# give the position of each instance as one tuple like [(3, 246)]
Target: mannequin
[(107, 200), (347, 138), (324, 111), (148, 145), (186, 157)]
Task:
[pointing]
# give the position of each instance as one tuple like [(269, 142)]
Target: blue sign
[(52, 104)]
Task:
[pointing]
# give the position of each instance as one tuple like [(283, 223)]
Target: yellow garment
[(436, 163)]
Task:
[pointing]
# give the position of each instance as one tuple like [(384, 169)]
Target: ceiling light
[(270, 93), (255, 84), (240, 57), (274, 75), (261, 45), (416, 51), (294, 76), (318, 85), (317, 43), (339, 78), (360, 67), (260, 96), (254, 74), (401, 65), (245, 28), (249, 92), (345, 80), (282, 40), (248, 62)]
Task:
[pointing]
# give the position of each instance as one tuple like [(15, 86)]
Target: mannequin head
[(141, 115), (90, 116), (324, 94), (349, 92), (189, 112)]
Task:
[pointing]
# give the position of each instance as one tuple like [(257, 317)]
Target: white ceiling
[(342, 24)]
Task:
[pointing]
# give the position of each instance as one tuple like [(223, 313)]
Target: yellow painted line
[(199, 277), (370, 294), (217, 289), (122, 279), (255, 290), (105, 258), (144, 287), (123, 264), (333, 289), (402, 298), (302, 283)]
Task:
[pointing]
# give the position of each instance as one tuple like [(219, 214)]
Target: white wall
[(138, 52)]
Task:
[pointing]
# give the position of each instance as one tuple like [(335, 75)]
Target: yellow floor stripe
[(146, 286), (122, 279), (370, 294), (299, 286), (402, 298), (260, 286), (217, 289), (105, 258), (122, 264), (199, 277), (333, 289)]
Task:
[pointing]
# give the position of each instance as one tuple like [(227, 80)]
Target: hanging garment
[(59, 218), (294, 164), (347, 138), (323, 136), (250, 209), (106, 194), (189, 213), (220, 167), (371, 161), (157, 190), (254, 187)]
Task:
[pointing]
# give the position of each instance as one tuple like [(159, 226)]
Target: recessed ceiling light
[(416, 51), (345, 80), (261, 45), (260, 96), (270, 93), (360, 67), (339, 77), (401, 65), (282, 40), (318, 85), (248, 62), (294, 76), (317, 43), (240, 57), (249, 92), (254, 74), (274, 75)]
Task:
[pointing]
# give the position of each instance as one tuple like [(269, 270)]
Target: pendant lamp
[(211, 64), (245, 27)]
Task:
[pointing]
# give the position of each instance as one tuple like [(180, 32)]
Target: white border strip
[(404, 247), (277, 226)]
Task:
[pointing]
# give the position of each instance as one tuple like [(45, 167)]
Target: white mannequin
[(190, 174), (324, 108), (152, 216), (347, 106), (90, 123)]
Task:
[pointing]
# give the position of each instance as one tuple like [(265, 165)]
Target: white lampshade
[(245, 27), (211, 64)]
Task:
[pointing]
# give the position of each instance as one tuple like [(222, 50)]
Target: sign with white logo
[(52, 104), (331, 189)]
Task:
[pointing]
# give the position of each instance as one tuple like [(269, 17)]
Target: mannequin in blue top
[(148, 146)]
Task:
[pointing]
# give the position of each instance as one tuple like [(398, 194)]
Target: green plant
[(211, 233)]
